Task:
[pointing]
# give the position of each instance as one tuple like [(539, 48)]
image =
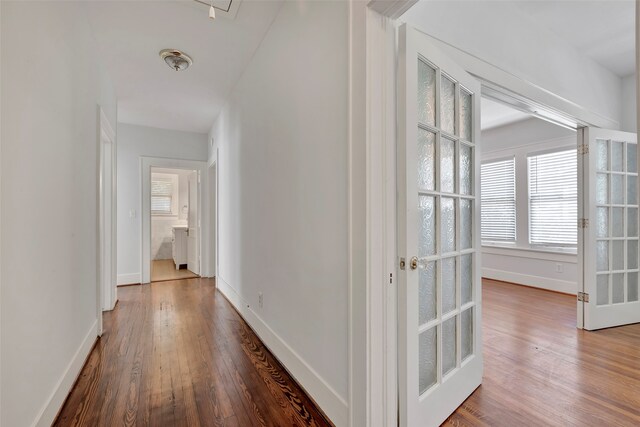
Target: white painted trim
[(146, 163), (563, 286), (129, 279), (334, 406), (531, 254), (54, 403)]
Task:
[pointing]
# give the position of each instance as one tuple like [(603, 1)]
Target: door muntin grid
[(447, 246), (616, 222)]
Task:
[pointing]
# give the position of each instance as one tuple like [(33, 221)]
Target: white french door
[(609, 246), (439, 294)]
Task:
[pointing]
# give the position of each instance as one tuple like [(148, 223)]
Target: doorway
[(106, 295), (213, 219), (173, 215), (174, 236)]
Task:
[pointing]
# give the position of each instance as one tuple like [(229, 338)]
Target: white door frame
[(106, 292), (372, 144), (212, 253), (146, 163)]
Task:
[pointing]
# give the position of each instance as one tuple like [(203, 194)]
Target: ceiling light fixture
[(212, 11), (176, 59)]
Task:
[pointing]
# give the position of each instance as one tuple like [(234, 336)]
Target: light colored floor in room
[(165, 269)]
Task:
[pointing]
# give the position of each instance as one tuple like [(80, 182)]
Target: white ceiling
[(131, 33), (494, 114), (603, 30)]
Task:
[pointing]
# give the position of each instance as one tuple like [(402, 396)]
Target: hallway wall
[(281, 146), (133, 142), (52, 82)]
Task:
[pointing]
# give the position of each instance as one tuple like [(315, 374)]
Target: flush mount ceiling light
[(176, 59)]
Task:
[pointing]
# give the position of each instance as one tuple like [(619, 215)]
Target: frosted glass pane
[(617, 189), (617, 223), (466, 168), (632, 286), (466, 224), (447, 105), (448, 285), (602, 289), (427, 292), (602, 189), (632, 222), (466, 278), (427, 360), (427, 226), (632, 254), (602, 155), (448, 227), (466, 332), (448, 345), (602, 256), (632, 158), (617, 288), (632, 190), (602, 222), (466, 109), (426, 160), (426, 94), (447, 165), (617, 156), (617, 255)]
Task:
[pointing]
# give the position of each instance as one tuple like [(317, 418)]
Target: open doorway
[(174, 219), (529, 200)]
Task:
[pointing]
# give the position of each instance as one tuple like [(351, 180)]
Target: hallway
[(177, 354)]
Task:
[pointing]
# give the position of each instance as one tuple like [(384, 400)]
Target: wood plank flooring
[(178, 354), (165, 269), (542, 371)]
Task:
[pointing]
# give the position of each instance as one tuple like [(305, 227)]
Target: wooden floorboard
[(164, 269), (177, 354), (539, 370)]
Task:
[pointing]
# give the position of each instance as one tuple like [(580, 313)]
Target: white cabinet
[(179, 244)]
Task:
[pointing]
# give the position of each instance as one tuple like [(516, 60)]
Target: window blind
[(161, 195), (553, 198), (498, 201)]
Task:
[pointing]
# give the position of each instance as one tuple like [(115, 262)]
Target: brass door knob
[(414, 263)]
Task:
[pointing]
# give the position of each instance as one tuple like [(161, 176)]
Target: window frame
[(503, 243), (566, 248), (166, 177)]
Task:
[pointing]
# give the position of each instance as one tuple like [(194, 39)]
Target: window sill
[(550, 254), (543, 249)]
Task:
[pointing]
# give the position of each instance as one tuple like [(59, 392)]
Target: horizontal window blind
[(161, 195), (498, 201), (553, 199)]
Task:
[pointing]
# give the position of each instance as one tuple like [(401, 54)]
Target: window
[(498, 201), (162, 196), (553, 199)]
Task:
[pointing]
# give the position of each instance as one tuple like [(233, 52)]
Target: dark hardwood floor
[(542, 371), (177, 354)]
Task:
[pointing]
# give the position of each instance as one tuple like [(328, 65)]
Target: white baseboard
[(48, 413), (334, 406), (129, 279), (533, 281)]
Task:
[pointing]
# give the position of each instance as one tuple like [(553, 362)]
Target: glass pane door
[(441, 363)]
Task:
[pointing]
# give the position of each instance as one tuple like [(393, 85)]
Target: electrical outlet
[(260, 299), (559, 268)]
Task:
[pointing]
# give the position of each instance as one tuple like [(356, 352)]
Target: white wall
[(499, 34), (282, 154), (51, 86), (161, 225), (629, 117), (521, 264), (134, 142)]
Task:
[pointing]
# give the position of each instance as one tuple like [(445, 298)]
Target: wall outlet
[(559, 268), (260, 299)]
